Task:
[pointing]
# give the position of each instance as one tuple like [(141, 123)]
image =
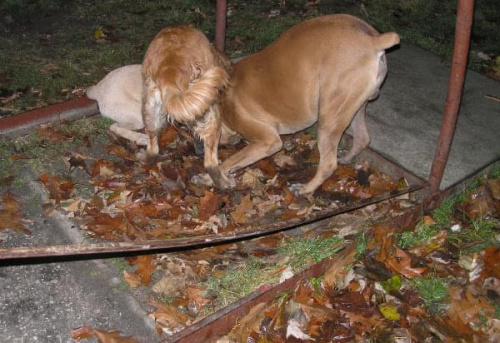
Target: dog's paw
[(151, 159), (297, 189), (221, 180), (344, 160), (142, 140)]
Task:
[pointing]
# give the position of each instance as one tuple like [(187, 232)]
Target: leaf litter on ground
[(420, 285), (113, 196)]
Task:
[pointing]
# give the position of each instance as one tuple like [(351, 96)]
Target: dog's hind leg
[(361, 137), (134, 136), (334, 118)]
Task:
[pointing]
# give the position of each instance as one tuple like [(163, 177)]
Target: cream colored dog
[(119, 96), (323, 70)]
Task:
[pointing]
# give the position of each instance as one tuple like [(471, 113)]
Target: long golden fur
[(323, 70), (183, 77)]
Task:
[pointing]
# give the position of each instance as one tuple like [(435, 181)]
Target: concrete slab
[(404, 122)]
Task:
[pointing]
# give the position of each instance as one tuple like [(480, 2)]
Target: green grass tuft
[(303, 252), (420, 235), (434, 292)]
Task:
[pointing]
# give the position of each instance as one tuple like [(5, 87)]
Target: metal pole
[(465, 9), (220, 24)]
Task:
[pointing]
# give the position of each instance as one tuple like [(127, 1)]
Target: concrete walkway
[(404, 122), (41, 303)]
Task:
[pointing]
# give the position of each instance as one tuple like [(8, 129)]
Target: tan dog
[(326, 70), (183, 76), (119, 96)]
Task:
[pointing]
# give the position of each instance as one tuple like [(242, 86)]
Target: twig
[(492, 97)]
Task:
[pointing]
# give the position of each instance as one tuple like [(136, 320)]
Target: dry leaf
[(10, 215), (249, 323), (144, 267), (400, 262), (209, 204), (244, 209)]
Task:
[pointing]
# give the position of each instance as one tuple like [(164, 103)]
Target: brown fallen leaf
[(145, 267), (58, 189), (494, 186), (6, 99), (167, 136), (87, 332), (400, 262), (197, 295), (167, 316), (132, 279), (479, 203), (10, 215), (54, 135), (491, 265), (336, 272), (209, 204), (244, 209), (465, 309), (249, 323)]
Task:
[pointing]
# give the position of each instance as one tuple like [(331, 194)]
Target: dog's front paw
[(221, 180), (297, 189)]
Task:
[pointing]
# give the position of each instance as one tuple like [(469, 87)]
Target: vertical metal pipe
[(220, 24), (465, 9)]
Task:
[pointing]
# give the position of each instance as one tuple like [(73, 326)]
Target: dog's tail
[(386, 40), (187, 106)]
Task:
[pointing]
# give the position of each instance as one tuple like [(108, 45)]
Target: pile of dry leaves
[(175, 197)]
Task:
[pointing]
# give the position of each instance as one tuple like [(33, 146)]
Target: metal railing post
[(465, 10), (220, 24)]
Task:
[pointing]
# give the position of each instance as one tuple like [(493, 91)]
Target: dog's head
[(188, 71)]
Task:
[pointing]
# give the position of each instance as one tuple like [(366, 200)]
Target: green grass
[(361, 246), (242, 280), (238, 282), (495, 172), (420, 235), (434, 292), (444, 213), (479, 235), (303, 252)]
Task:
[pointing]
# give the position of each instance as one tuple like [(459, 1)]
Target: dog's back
[(119, 94), (308, 62)]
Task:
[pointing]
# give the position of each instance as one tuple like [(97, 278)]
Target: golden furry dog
[(183, 76), (322, 70), (119, 96)]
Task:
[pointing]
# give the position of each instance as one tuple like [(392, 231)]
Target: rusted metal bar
[(76, 251), (465, 10), (28, 121), (220, 24)]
